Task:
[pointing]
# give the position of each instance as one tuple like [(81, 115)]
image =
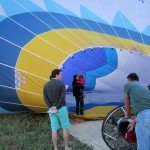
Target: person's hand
[(53, 110), (130, 127)]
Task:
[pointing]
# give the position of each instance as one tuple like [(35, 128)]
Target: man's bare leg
[(54, 139), (66, 137)]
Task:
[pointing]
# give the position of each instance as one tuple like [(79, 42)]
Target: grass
[(29, 131)]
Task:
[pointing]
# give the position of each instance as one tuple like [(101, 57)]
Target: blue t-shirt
[(139, 96)]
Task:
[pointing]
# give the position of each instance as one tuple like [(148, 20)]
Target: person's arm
[(127, 89), (127, 105), (46, 99), (131, 125), (62, 96)]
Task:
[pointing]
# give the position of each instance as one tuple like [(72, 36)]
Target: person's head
[(81, 76), (56, 73), (75, 76), (132, 77)]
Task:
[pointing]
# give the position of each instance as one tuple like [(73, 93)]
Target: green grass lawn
[(29, 131)]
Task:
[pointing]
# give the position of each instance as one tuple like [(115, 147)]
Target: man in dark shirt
[(54, 95)]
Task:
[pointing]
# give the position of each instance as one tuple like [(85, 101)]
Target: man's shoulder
[(58, 81), (134, 83), (127, 84), (54, 81), (131, 83), (47, 83), (62, 82)]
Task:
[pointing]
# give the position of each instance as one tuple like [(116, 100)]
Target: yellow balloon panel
[(32, 83), (32, 101), (34, 65)]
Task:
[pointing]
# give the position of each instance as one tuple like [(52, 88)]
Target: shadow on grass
[(29, 131)]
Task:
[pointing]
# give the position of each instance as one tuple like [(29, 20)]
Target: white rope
[(71, 21), (148, 52), (21, 90), (15, 68), (32, 33), (102, 30), (37, 36), (70, 31), (21, 104), (28, 51), (31, 52), (53, 28), (133, 42), (29, 105), (46, 59), (115, 32), (88, 63)]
